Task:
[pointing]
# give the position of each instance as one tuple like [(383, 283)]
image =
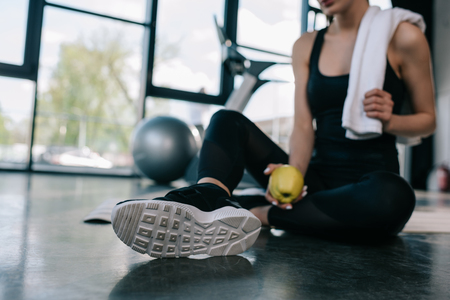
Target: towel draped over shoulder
[(368, 67)]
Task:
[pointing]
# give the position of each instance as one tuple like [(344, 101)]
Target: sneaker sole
[(170, 229)]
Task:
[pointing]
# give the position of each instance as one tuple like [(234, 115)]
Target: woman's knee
[(388, 183), (225, 123), (392, 195), (225, 116)]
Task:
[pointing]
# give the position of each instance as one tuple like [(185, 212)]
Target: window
[(187, 49), (133, 10), (13, 25), (266, 28), (88, 90), (82, 70), (383, 4), (16, 110), (192, 113), (268, 34)]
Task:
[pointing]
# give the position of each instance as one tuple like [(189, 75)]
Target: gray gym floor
[(47, 252)]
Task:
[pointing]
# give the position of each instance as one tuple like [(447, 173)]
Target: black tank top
[(326, 96)]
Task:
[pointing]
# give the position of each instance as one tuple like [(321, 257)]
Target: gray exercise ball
[(162, 148)]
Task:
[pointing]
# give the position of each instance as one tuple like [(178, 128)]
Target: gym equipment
[(163, 147), (237, 64)]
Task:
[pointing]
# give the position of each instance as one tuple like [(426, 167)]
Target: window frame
[(226, 80), (28, 70)]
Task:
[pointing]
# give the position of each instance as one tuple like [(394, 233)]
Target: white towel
[(368, 69)]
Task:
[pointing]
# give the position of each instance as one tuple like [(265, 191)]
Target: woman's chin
[(330, 10)]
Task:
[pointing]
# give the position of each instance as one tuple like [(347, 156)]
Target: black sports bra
[(326, 96)]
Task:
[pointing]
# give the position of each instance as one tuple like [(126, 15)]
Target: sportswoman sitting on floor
[(353, 185)]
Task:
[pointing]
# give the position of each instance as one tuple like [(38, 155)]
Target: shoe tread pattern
[(170, 229)]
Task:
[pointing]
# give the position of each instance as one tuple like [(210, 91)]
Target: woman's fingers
[(270, 198), (377, 92), (304, 191), (275, 202), (302, 194), (288, 206), (270, 168), (378, 104), (268, 171)]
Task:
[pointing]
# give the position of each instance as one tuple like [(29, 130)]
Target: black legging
[(378, 203)]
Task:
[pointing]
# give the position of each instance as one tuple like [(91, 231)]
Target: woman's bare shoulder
[(409, 38), (301, 51)]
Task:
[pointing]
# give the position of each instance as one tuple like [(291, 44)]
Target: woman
[(353, 185)]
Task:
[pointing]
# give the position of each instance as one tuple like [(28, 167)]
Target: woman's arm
[(411, 52), (302, 137)]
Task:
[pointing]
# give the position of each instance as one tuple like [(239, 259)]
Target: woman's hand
[(270, 168), (378, 104)]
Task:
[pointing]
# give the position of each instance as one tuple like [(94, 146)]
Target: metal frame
[(32, 44), (305, 10)]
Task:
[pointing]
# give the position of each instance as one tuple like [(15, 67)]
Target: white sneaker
[(163, 228)]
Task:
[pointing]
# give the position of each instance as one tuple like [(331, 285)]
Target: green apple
[(286, 183)]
